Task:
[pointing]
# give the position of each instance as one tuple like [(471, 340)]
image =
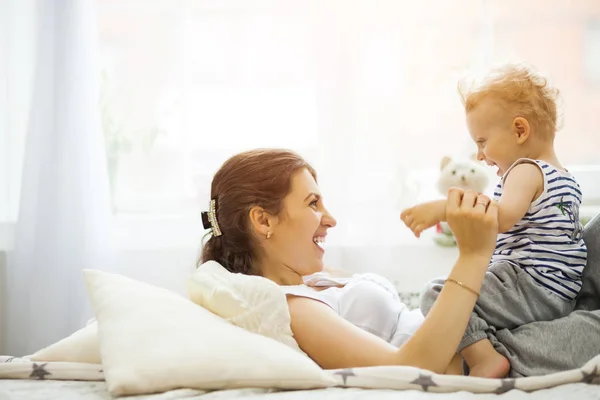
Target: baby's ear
[(445, 161)]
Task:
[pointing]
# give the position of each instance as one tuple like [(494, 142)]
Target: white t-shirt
[(368, 301)]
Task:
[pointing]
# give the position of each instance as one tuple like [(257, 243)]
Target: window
[(552, 43), (186, 84), (591, 53), (366, 94), (17, 35), (366, 91)]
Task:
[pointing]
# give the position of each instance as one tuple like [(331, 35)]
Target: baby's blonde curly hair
[(522, 91)]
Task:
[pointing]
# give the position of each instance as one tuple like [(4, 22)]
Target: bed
[(220, 370), (577, 384)]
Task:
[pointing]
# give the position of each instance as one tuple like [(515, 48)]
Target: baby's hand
[(424, 216)]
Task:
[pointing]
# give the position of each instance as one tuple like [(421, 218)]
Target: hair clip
[(209, 218)]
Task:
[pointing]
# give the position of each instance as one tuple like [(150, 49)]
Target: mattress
[(70, 390)]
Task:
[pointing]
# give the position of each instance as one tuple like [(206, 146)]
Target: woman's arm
[(335, 343), (434, 344)]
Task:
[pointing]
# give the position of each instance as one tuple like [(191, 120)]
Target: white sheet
[(381, 379)]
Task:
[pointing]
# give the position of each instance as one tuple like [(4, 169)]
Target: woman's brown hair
[(260, 177)]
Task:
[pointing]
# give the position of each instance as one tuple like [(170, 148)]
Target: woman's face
[(300, 229)]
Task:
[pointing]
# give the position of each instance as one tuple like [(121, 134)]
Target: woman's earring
[(268, 235)]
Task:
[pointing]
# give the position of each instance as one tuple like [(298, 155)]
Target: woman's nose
[(328, 220)]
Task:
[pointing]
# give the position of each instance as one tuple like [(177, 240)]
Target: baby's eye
[(453, 172), (472, 170)]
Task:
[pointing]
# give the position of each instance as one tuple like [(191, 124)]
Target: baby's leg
[(542, 348), (484, 361), (509, 298)]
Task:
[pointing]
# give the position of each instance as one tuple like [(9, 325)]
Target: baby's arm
[(523, 184), (424, 216)]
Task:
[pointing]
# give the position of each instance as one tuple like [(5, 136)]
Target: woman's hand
[(473, 219)]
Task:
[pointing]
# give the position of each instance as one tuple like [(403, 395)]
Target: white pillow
[(81, 347), (254, 303), (153, 340)]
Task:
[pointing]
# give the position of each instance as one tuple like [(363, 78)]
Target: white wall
[(165, 268), (409, 266), (2, 301)]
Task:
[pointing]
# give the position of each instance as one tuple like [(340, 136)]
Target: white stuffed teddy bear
[(466, 174)]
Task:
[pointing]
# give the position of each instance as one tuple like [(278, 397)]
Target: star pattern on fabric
[(505, 386), (591, 376), (345, 373), (424, 381), (39, 371)]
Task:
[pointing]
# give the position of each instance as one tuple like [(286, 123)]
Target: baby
[(535, 272)]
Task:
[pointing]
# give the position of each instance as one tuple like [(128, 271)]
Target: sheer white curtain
[(64, 215)]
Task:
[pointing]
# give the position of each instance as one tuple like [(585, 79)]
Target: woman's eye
[(313, 203)]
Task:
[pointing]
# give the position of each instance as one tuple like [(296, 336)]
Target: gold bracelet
[(462, 285)]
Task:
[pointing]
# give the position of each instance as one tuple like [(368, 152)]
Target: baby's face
[(490, 128)]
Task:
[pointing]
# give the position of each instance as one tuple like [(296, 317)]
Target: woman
[(268, 218)]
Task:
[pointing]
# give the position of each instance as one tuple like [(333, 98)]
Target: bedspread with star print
[(20, 374)]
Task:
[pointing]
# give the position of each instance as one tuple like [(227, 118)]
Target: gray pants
[(547, 347), (509, 298)]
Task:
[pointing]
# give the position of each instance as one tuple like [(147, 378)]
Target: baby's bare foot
[(493, 366)]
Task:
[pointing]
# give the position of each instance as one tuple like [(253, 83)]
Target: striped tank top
[(548, 241)]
